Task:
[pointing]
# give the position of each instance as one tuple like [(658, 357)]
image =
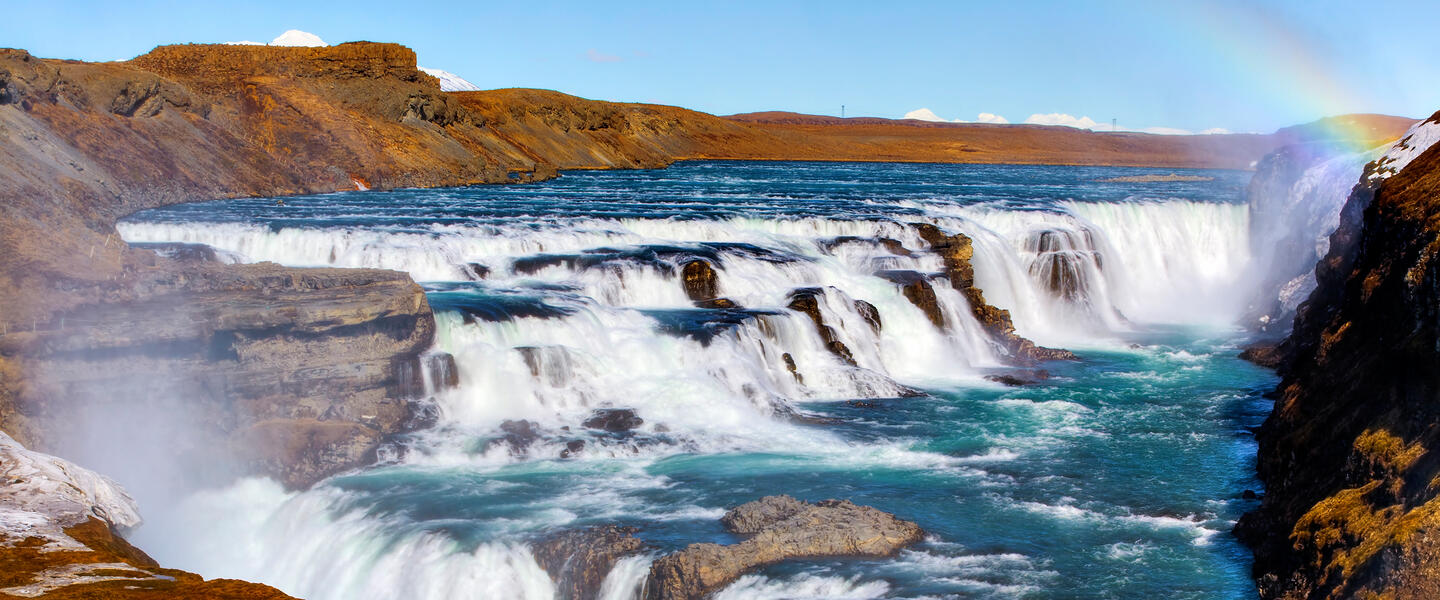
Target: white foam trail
[(626, 579), (802, 587)]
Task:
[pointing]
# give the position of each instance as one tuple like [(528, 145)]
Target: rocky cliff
[(1351, 454)]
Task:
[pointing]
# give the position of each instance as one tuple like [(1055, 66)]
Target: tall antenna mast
[(842, 111)]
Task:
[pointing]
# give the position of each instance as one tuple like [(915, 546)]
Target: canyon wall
[(1349, 455)]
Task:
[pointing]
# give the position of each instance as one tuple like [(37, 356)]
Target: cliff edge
[(1351, 454)]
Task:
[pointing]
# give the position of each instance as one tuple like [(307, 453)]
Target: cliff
[(1349, 454)]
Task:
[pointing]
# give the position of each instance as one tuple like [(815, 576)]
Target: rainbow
[(1283, 65)]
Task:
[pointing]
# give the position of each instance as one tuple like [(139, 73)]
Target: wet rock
[(870, 314), (956, 251), (1265, 354), (778, 528), (1249, 495), (716, 303), (790, 366), (614, 420), (518, 435), (891, 245), (1059, 264), (700, 280), (476, 271), (807, 301), (572, 448), (1020, 377), (861, 404), (181, 251), (784, 410), (579, 560), (412, 374), (916, 288)]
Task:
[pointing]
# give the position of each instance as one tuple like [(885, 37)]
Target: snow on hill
[(450, 82), (295, 37)]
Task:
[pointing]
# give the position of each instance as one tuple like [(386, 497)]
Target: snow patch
[(44, 494), (295, 37), (450, 82), (1415, 142)]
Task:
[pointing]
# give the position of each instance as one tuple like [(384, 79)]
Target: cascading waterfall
[(552, 319), (1297, 223)]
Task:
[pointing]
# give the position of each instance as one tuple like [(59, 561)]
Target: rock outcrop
[(579, 560), (807, 302), (778, 528), (955, 251), (1351, 454), (58, 524), (299, 372)]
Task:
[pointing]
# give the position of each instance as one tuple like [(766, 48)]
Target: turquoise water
[(1119, 476)]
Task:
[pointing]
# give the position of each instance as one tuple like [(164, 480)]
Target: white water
[(1132, 263)]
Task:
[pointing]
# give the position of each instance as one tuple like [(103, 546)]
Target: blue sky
[(1252, 66)]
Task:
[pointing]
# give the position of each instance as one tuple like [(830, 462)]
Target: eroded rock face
[(917, 289), (579, 560), (807, 301), (956, 250), (1349, 455), (700, 281), (779, 528), (300, 371)]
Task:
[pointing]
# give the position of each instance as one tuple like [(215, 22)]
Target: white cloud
[(1062, 120), (1216, 131), (594, 55), (925, 114)]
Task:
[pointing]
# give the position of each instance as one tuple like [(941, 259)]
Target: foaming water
[(564, 297)]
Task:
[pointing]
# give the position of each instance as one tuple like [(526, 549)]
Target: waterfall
[(555, 324), (1291, 226)]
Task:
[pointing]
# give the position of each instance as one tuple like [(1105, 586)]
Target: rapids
[(1118, 476)]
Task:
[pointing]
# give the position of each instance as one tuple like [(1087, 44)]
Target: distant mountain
[(450, 82)]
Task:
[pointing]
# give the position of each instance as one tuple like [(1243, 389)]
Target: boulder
[(779, 528), (518, 435), (614, 420), (700, 280)]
